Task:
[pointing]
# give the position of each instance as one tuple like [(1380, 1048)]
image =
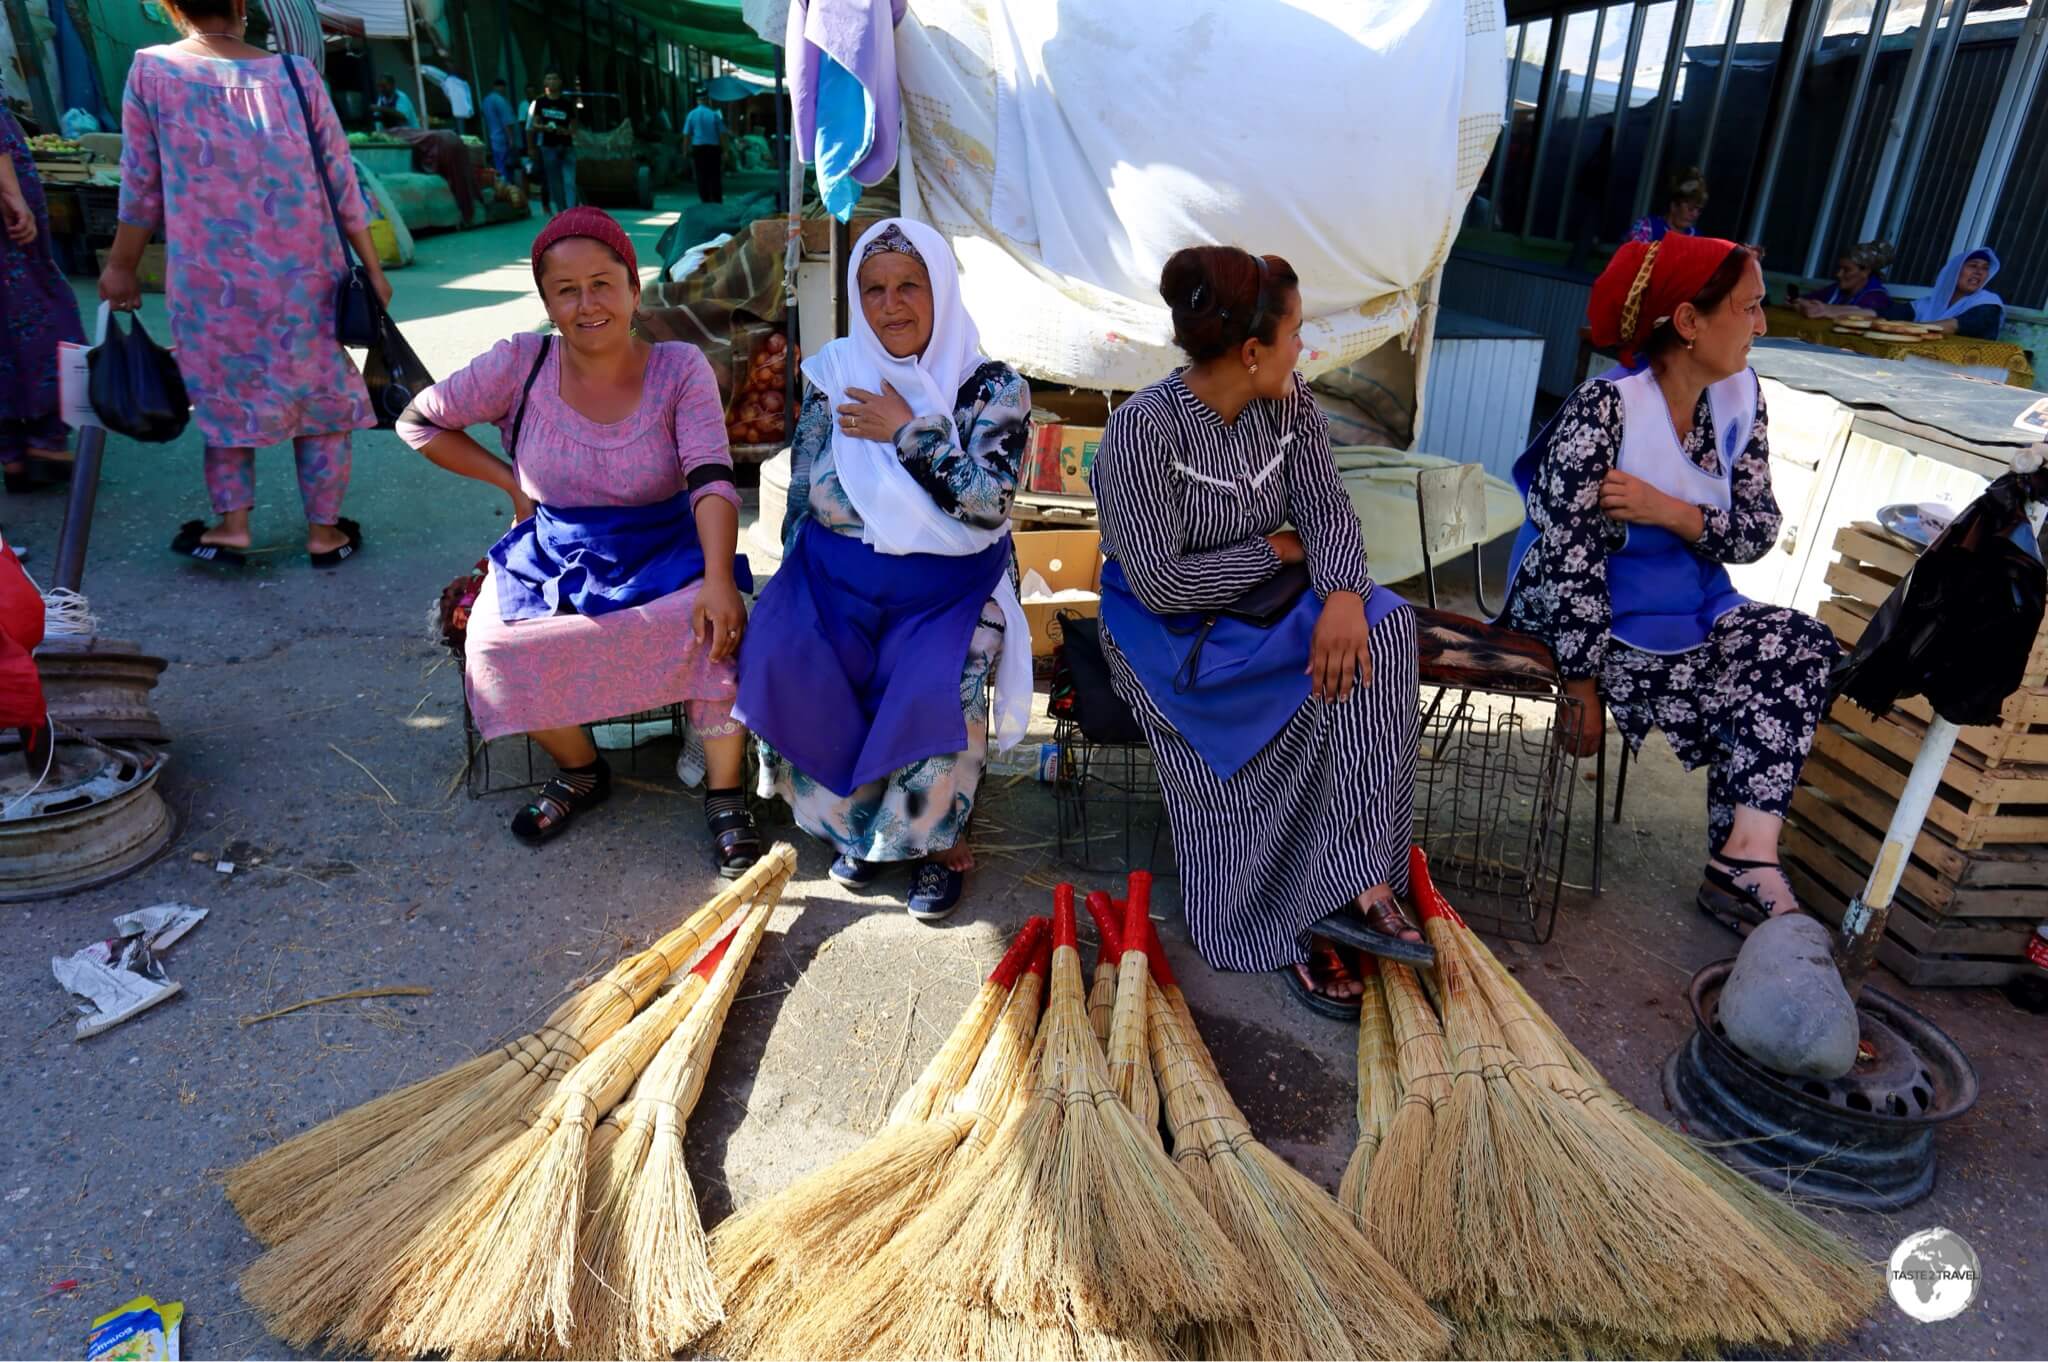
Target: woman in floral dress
[(36, 311), (907, 448), (1651, 478), (218, 153)]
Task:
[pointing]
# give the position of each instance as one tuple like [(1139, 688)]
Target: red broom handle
[(1155, 953), (1423, 890), (1041, 959), (704, 968), (1103, 911), (1004, 975), (1138, 915), (1065, 932)]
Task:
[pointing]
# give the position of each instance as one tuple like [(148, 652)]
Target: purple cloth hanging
[(852, 33)]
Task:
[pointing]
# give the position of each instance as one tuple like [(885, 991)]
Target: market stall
[(2000, 361)]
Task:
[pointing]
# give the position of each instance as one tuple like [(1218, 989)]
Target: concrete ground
[(319, 749)]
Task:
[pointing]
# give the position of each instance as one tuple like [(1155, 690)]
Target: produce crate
[(99, 205), (1976, 881)]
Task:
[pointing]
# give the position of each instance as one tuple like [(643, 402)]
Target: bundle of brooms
[(467, 1241), (1547, 1215)]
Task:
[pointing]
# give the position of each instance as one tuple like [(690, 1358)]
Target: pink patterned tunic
[(217, 152), (572, 669)]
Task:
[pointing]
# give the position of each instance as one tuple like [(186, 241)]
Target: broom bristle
[(949, 1070), (1378, 1088), (1130, 1060)]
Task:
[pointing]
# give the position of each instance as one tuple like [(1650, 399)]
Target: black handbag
[(1262, 606), (1081, 686), (393, 373), (134, 384), (356, 308)]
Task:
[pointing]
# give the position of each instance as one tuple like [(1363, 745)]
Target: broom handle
[(700, 1032)]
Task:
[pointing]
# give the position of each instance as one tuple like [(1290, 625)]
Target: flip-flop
[(188, 544), (335, 557), (1322, 1004), (1351, 929)]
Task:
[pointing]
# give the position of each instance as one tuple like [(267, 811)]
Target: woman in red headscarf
[(617, 587), (1650, 479)]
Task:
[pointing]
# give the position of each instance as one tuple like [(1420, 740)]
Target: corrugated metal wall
[(1481, 394), (1552, 305)]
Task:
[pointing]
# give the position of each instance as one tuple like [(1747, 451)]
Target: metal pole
[(1546, 115), (1721, 82), (842, 246), (1896, 126), (782, 156), (1660, 121), (1774, 150), (1571, 160), (1838, 168), (1500, 152), (2001, 140), (419, 82), (85, 489), (1923, 125), (1623, 92), (29, 53)]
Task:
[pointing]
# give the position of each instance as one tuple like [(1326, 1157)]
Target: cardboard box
[(1060, 457), (149, 271), (1066, 559)]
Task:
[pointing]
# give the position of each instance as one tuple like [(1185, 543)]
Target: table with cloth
[(1954, 351)]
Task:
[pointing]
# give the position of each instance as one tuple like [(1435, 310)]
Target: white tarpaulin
[(1067, 147), (378, 18)]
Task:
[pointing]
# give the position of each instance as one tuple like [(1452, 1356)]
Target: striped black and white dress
[(1322, 813)]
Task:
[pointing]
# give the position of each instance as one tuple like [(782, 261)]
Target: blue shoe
[(935, 892), (856, 874)]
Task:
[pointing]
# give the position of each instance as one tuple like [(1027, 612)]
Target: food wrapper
[(139, 1331)]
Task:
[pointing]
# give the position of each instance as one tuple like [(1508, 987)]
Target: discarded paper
[(124, 974)]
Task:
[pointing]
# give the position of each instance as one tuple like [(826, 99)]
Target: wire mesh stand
[(1493, 803), (1106, 783), (517, 765)]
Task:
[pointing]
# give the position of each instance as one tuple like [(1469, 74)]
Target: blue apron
[(597, 559), (1664, 597), (851, 664), (1251, 680)]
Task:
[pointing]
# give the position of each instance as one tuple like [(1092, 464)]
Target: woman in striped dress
[(1286, 751)]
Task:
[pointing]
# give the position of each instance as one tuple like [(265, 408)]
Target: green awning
[(715, 26)]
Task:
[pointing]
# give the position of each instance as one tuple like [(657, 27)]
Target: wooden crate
[(1952, 961)]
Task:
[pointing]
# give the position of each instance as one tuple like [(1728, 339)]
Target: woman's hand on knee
[(1583, 737), (718, 617), (1340, 655)]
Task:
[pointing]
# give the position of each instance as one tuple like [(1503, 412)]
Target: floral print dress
[(37, 310), (1747, 701), (968, 465)]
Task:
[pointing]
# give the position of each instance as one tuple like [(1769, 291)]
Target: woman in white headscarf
[(1960, 303), (866, 668)]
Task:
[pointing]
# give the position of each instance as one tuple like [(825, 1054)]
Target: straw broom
[(1410, 1201), (498, 1262), (661, 1294), (1108, 916), (334, 1276), (1378, 1087), (948, 1071), (313, 1176), (1130, 1060), (825, 1225), (1322, 1290), (1072, 1225)]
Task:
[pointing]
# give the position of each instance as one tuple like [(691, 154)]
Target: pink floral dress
[(217, 152)]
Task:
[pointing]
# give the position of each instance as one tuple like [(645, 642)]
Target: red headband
[(595, 223), (1645, 283)]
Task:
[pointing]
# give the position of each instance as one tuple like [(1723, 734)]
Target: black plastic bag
[(1081, 686), (1959, 628), (135, 386), (392, 373)]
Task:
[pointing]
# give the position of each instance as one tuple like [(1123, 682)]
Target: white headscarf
[(1936, 307), (897, 515)]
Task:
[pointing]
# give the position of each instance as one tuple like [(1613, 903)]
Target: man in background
[(393, 108), (500, 131), (704, 130), (553, 124)]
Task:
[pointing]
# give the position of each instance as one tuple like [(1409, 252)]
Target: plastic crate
[(99, 206)]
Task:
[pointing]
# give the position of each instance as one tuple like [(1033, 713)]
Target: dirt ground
[(319, 748)]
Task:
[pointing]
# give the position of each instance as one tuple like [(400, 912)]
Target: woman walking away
[(1650, 478), (617, 589), (1286, 748), (217, 149), (866, 674), (37, 311)]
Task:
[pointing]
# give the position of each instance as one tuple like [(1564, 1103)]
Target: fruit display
[(50, 144), (758, 413)]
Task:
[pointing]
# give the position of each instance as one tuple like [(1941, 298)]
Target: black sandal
[(557, 805), (337, 556), (1732, 904), (189, 544), (736, 840), (1358, 932), (1316, 1001)]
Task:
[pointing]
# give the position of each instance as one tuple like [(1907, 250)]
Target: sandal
[(190, 545), (1378, 932), (558, 803), (335, 557), (1735, 905), (1302, 984), (736, 839)]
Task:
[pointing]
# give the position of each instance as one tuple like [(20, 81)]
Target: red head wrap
[(1645, 283), (595, 223)]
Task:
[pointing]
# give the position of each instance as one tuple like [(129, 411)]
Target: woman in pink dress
[(618, 588), (217, 152)]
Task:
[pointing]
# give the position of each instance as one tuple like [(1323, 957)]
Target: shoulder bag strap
[(319, 162), (519, 416)]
